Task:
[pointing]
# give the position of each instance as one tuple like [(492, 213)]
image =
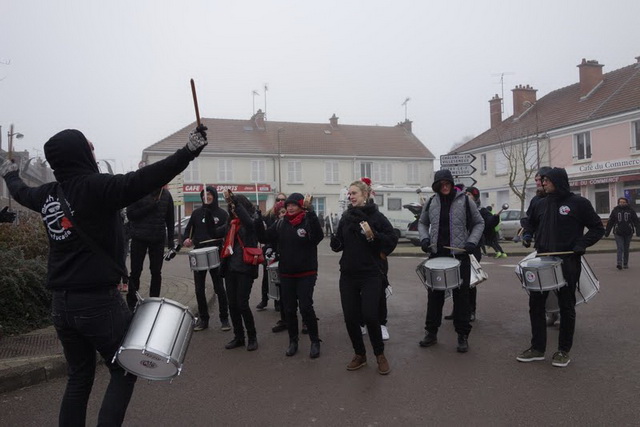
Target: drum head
[(441, 263)]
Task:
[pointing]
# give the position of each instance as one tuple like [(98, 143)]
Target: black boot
[(235, 342), (314, 353), (429, 340), (293, 347), (463, 343), (252, 344)]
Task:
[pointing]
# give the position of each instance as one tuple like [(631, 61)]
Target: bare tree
[(523, 154)]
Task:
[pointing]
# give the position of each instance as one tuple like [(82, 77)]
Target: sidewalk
[(36, 357)]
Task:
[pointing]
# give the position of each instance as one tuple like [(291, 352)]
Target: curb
[(25, 372)]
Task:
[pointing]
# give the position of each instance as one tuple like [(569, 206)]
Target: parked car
[(412, 229), (510, 223), (179, 227)]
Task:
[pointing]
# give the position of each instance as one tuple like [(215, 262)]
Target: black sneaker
[(429, 340), (463, 343), (262, 306), (280, 326), (619, 267), (201, 325), (235, 343)]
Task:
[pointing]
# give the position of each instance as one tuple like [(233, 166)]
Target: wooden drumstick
[(454, 249), (195, 102), (555, 253)]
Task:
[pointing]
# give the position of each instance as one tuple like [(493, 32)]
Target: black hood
[(69, 155), (441, 175), (214, 193), (559, 178)]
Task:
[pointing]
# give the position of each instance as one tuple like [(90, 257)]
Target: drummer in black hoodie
[(88, 311), (558, 221), (200, 231)]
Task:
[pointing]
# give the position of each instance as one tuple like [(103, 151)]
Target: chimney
[(406, 124), (333, 121), (258, 119), (523, 98), (590, 75), (495, 111)]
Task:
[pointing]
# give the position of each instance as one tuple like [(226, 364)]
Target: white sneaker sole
[(532, 359), (560, 364)]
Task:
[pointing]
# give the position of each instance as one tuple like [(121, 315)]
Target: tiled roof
[(618, 93), (307, 139)]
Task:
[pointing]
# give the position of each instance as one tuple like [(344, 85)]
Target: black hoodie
[(205, 220), (559, 219), (95, 200)]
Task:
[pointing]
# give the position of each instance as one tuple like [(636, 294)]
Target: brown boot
[(357, 362), (383, 365)]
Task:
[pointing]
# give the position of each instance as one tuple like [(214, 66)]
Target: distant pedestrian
[(624, 222), (492, 236)]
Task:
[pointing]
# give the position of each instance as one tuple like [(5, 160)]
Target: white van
[(390, 201)]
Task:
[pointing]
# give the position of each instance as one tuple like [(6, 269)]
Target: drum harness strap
[(124, 273)]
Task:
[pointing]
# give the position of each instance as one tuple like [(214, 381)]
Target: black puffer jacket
[(624, 222), (298, 244), (358, 255), (151, 218)]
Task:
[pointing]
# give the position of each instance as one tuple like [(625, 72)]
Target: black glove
[(579, 250), (425, 244), (202, 130), (6, 216), (469, 247), (526, 240)]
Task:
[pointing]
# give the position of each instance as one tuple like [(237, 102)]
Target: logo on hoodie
[(53, 217), (564, 210)]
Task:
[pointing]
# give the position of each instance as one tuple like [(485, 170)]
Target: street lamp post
[(280, 130), (10, 136)]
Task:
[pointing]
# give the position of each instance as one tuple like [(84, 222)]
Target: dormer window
[(582, 146)]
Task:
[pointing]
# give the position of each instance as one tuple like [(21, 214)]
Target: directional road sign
[(456, 159), (461, 170), (466, 180)]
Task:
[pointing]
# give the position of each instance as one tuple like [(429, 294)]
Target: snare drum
[(156, 343), (542, 274), (440, 274), (478, 275), (204, 258), (588, 285), (274, 281)]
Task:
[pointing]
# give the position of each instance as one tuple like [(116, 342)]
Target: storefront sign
[(603, 166), (236, 188)]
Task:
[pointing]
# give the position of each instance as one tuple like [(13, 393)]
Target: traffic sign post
[(467, 181), (460, 166), (461, 170)]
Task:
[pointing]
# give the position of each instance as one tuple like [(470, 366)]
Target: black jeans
[(264, 291), (382, 306), (461, 310), (296, 290), (139, 250), (360, 298), (200, 279), (571, 269), (238, 292), (85, 322)]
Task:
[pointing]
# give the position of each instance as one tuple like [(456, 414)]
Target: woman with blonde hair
[(365, 237)]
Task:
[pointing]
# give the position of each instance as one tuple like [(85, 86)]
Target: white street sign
[(466, 180), (456, 159), (461, 170)]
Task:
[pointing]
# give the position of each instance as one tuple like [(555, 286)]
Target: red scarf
[(295, 219), (227, 248)]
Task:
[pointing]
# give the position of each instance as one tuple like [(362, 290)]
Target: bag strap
[(85, 237)]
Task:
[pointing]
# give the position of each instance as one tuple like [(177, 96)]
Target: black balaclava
[(214, 204), (69, 155)]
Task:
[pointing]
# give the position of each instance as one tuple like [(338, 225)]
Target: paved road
[(426, 386)]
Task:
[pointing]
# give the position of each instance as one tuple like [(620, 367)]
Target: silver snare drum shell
[(204, 258), (542, 274), (273, 291), (440, 274), (156, 343)]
